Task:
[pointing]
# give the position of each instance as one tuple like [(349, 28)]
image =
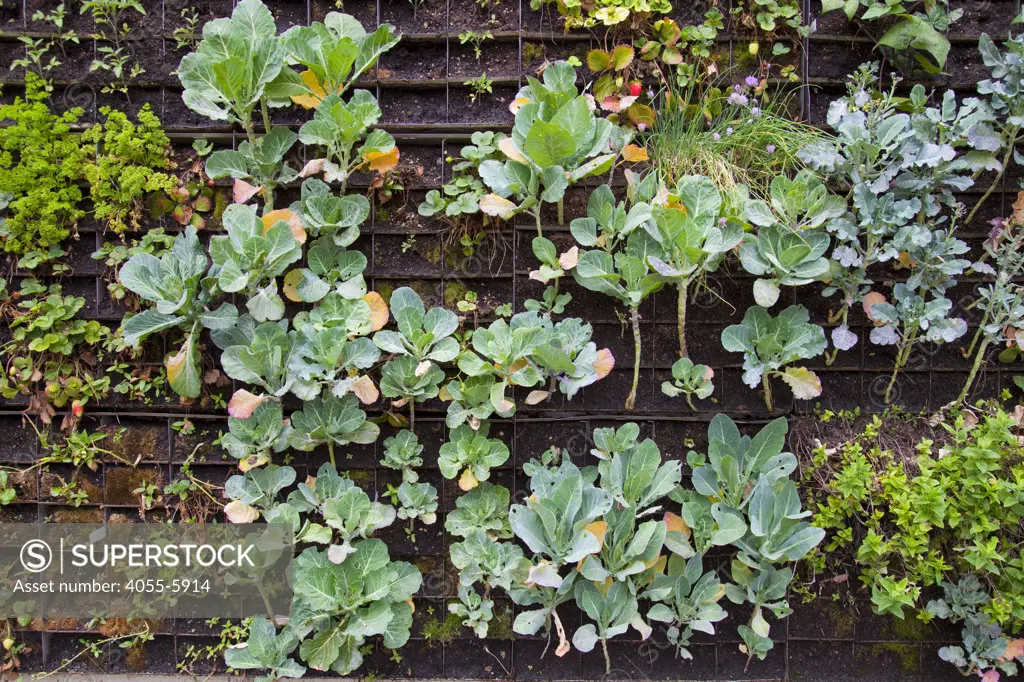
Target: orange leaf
[(310, 101), (365, 390), (382, 162), (598, 528), (243, 191), (674, 522), (293, 220), (604, 363), (634, 153), (291, 285), (243, 403), (378, 310), (870, 299)]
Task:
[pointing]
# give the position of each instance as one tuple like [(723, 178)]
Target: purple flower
[(770, 149), (755, 112), (738, 99), (716, 137), (728, 131), (751, 81), (722, 222)]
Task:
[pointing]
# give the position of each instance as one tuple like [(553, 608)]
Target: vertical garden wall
[(127, 349)]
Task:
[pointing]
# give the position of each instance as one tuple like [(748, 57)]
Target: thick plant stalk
[(999, 176), (536, 215), (901, 361), (266, 115), (412, 415), (681, 293), (767, 391), (979, 360), (561, 211), (607, 660), (330, 451), (634, 316)]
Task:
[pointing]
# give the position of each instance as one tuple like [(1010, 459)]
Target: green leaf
[(548, 144)]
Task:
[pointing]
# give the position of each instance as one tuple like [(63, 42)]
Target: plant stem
[(901, 359), (634, 317), (977, 334), (767, 391), (561, 211), (607, 660), (412, 415), (681, 294), (979, 359), (266, 114), (330, 451), (536, 215), (991, 188)]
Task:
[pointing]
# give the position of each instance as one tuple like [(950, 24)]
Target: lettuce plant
[(402, 452), (557, 140), (620, 267), (769, 344), (693, 238), (331, 421), (790, 244), (471, 452), (251, 256), (182, 298)]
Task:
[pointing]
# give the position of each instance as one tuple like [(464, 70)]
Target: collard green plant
[(182, 299), (255, 439), (690, 380), (743, 498), (408, 381), (266, 650), (260, 355), (485, 507), (402, 451), (258, 166), (250, 257), (228, 74), (693, 238), (472, 453), (770, 344), (557, 140), (331, 421), (612, 610), (790, 244)]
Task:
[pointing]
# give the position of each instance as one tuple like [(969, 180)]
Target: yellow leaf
[(598, 528), (443, 394), (253, 462), (293, 220), (291, 285), (382, 162), (239, 512), (378, 310), (517, 103), (659, 563), (317, 94), (633, 153), (500, 207), (804, 383), (365, 390), (508, 148), (467, 481), (535, 397)]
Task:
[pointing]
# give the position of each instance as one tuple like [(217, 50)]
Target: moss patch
[(442, 631), (121, 482)]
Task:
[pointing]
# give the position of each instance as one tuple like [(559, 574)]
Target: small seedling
[(476, 40), (478, 87)]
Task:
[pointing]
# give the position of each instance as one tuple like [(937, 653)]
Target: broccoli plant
[(769, 344), (255, 438), (686, 598), (557, 140), (329, 267), (228, 74), (621, 266), (257, 166), (471, 452), (402, 452), (250, 257), (417, 501), (693, 238), (331, 421), (790, 244), (422, 334), (690, 380), (325, 214), (181, 298), (743, 498)]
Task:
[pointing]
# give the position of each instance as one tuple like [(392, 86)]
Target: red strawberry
[(635, 89)]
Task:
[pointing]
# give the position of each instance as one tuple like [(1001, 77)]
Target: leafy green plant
[(769, 344), (44, 54), (331, 421), (267, 650), (259, 159), (483, 508), (422, 334), (692, 238), (417, 501), (743, 498), (621, 267), (927, 515), (228, 74), (470, 455), (914, 34), (409, 381), (690, 380), (577, 14), (687, 599), (790, 244), (329, 268), (478, 87), (260, 355), (254, 439), (113, 30), (476, 40), (182, 299), (461, 196), (324, 214), (250, 257), (556, 141), (402, 452)]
